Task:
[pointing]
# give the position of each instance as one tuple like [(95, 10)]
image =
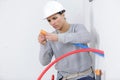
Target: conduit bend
[(68, 54)]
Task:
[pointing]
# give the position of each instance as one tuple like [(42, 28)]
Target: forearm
[(45, 54), (74, 37)]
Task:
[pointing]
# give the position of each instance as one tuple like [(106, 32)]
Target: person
[(60, 41)]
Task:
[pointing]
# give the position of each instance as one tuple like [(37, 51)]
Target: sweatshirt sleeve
[(79, 34), (45, 54)]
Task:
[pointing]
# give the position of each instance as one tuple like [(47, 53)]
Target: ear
[(63, 14)]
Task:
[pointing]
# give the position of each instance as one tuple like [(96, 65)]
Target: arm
[(80, 35), (45, 54)]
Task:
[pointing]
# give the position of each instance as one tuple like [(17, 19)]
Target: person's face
[(57, 21)]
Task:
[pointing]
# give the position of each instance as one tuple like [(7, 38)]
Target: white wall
[(21, 20), (106, 21), (104, 16), (19, 48)]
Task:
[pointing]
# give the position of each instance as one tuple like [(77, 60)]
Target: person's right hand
[(42, 39)]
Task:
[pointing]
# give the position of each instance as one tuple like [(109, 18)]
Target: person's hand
[(42, 39), (52, 37)]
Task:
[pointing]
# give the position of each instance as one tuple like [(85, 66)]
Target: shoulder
[(77, 26)]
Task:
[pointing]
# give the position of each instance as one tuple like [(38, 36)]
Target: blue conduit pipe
[(85, 46)]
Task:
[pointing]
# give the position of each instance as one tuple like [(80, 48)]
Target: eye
[(49, 20), (54, 18)]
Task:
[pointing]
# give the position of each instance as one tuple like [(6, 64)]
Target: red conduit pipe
[(68, 54)]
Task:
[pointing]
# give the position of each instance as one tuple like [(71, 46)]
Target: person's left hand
[(52, 37)]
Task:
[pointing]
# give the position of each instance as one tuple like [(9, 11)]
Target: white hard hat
[(51, 8)]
